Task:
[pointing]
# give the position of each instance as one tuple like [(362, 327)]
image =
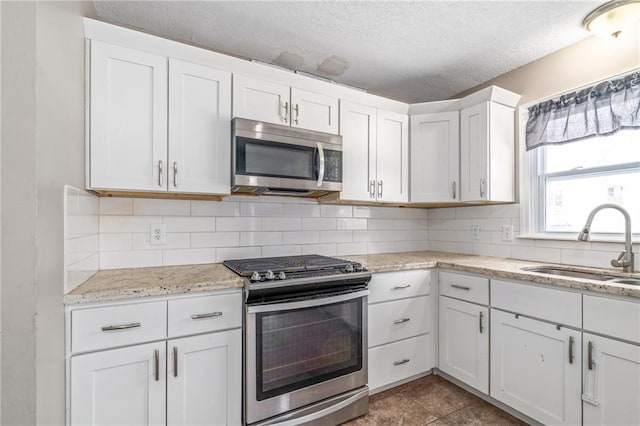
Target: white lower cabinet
[(536, 368), (611, 388), (464, 342), (203, 386), (123, 386)]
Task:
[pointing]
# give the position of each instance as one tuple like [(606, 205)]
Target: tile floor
[(431, 400)]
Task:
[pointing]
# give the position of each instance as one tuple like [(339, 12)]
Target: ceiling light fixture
[(613, 18)]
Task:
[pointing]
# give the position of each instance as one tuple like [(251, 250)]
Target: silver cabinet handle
[(372, 189), (209, 315), (175, 174), (320, 162), (453, 184), (121, 326), (481, 188), (570, 349), (480, 321), (160, 172), (156, 365), (175, 361), (401, 287), (380, 189), (286, 112), (461, 287), (297, 110), (402, 320), (590, 362), (402, 361)]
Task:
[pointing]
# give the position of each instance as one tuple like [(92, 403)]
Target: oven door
[(302, 352), (286, 163)]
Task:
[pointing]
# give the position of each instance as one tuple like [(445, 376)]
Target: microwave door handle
[(320, 164)]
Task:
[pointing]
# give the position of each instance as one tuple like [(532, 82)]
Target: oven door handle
[(320, 164), (321, 301)]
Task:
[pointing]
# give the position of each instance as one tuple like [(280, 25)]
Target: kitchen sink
[(583, 274)]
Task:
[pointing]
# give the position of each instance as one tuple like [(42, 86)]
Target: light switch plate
[(475, 232)]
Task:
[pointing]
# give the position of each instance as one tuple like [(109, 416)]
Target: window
[(567, 181)]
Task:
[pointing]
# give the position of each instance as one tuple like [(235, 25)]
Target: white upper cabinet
[(128, 114), (314, 111), (358, 131), (199, 129), (487, 151), (435, 157), (392, 157), (260, 100), (281, 104), (375, 154), (157, 124)]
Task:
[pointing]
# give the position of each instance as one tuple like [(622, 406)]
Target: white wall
[(243, 226), (42, 150)]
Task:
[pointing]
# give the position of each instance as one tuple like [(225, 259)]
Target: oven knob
[(269, 275), (358, 267), (282, 275), (255, 276), (348, 268)]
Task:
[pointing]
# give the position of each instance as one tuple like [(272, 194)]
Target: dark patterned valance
[(596, 111)]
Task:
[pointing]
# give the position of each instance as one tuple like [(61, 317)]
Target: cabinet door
[(314, 111), (435, 157), (474, 152), (260, 100), (204, 379), (392, 155), (119, 387), (358, 130), (199, 129), (535, 368), (464, 342), (128, 114), (611, 392)]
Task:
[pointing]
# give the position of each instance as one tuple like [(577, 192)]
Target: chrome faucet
[(626, 258)]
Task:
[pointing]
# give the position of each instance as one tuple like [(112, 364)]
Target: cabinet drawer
[(616, 318), (397, 320), (397, 285), (396, 361), (206, 313), (110, 326), (465, 287), (558, 306)]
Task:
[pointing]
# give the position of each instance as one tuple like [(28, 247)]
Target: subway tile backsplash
[(116, 233), (240, 226)]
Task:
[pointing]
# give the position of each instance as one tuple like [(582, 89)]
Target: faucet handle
[(622, 260)]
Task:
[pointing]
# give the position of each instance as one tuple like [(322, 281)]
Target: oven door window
[(302, 347)]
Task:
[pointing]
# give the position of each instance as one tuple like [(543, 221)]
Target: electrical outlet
[(158, 234), (507, 232), (475, 232)]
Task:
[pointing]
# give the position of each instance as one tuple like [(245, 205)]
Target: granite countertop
[(119, 284)]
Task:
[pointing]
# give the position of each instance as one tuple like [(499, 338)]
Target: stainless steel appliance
[(275, 159), (305, 340)]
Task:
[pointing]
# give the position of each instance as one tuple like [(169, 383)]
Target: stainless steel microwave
[(276, 159)]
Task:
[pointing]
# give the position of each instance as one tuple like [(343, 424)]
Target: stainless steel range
[(305, 340)]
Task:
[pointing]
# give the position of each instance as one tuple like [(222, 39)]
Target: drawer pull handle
[(402, 320), (121, 327), (461, 287), (401, 287), (480, 320), (209, 315), (570, 349), (156, 365), (590, 362), (175, 361), (403, 361)]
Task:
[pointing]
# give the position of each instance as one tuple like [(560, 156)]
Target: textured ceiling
[(409, 51)]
